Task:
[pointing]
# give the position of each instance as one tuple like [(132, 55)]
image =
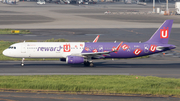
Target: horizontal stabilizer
[(164, 48)]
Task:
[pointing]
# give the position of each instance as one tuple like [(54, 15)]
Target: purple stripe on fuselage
[(127, 50)]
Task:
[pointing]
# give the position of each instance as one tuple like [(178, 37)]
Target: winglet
[(118, 47), (96, 39)]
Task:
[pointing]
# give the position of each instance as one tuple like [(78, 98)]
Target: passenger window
[(14, 47)]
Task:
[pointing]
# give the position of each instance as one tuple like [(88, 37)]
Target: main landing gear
[(88, 63), (22, 63)]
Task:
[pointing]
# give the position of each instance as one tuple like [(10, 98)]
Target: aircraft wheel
[(91, 64), (86, 63)]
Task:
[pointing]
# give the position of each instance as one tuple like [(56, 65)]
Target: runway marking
[(64, 74)]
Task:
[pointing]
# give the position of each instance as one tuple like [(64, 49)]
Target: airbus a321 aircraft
[(84, 52)]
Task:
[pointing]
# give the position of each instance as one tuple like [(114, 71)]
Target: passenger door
[(23, 48)]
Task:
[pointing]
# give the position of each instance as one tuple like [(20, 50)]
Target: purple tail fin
[(162, 34)]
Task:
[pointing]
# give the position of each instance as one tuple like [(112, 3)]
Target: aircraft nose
[(5, 52)]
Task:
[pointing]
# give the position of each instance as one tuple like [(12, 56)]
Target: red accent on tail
[(164, 32)]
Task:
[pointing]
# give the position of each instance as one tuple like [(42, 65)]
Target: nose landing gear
[(22, 63)]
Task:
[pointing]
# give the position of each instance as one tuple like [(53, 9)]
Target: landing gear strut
[(88, 63), (22, 63)]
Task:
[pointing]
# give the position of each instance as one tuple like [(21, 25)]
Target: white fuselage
[(44, 49)]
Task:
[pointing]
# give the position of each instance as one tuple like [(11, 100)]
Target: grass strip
[(102, 84), (9, 31)]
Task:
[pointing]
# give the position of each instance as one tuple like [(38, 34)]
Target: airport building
[(95, 0), (87, 1)]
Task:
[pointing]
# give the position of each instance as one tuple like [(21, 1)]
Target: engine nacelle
[(63, 59), (74, 59)]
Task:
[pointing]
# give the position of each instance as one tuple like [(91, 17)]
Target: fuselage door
[(23, 48)]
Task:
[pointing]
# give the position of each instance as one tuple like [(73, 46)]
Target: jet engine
[(63, 59), (74, 59)]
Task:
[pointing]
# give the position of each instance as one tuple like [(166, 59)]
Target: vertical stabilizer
[(162, 34)]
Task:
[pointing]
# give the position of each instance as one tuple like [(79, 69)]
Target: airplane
[(85, 52)]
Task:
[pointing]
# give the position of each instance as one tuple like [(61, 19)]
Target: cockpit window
[(11, 47)]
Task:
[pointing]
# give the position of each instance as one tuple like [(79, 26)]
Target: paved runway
[(146, 67), (74, 35), (12, 96), (29, 15)]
